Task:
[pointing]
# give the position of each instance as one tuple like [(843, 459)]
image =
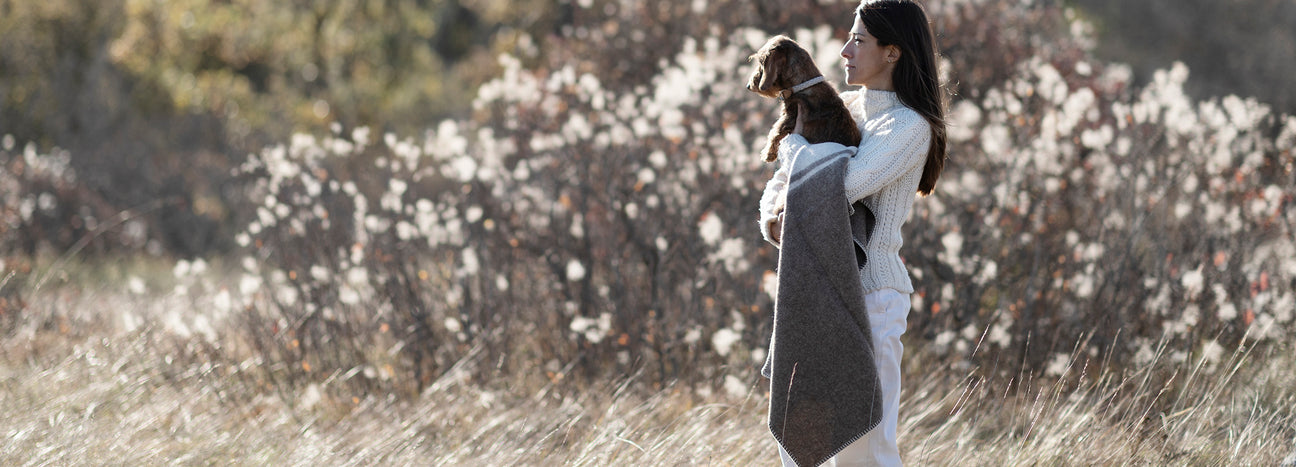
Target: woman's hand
[(776, 228)]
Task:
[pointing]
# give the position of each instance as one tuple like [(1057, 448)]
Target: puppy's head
[(780, 64)]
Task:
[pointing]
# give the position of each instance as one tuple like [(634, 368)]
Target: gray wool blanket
[(824, 387)]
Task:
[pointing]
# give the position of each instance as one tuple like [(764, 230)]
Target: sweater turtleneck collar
[(876, 101)]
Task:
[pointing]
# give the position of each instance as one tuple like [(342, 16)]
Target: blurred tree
[(156, 101), (271, 66), (60, 87)]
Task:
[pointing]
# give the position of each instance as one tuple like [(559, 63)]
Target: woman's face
[(867, 63)]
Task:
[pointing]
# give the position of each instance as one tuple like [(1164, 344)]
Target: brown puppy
[(786, 72)]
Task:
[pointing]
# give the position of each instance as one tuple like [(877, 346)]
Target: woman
[(900, 112)]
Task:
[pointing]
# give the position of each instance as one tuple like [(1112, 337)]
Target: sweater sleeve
[(792, 147), (770, 202), (896, 147)]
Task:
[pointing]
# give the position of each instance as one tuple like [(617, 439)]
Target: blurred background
[(155, 101), (573, 184)]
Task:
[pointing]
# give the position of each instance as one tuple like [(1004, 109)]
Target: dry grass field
[(106, 375)]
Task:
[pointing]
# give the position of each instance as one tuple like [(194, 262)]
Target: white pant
[(888, 311)]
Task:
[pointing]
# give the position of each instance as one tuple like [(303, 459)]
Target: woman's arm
[(772, 203), (898, 145)]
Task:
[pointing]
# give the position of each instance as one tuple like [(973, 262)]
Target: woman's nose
[(845, 51)]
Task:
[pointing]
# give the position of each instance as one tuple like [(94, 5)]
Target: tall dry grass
[(86, 386)]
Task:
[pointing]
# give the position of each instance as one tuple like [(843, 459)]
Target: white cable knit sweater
[(884, 173)]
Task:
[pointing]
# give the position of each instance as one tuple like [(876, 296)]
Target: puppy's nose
[(748, 86)]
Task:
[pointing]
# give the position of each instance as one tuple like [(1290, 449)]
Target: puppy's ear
[(770, 71), (799, 64)]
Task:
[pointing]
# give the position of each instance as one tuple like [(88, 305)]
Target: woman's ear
[(893, 53)]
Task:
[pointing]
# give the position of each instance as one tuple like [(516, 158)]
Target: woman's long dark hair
[(904, 24)]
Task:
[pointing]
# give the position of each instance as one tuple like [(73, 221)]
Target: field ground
[(81, 389)]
